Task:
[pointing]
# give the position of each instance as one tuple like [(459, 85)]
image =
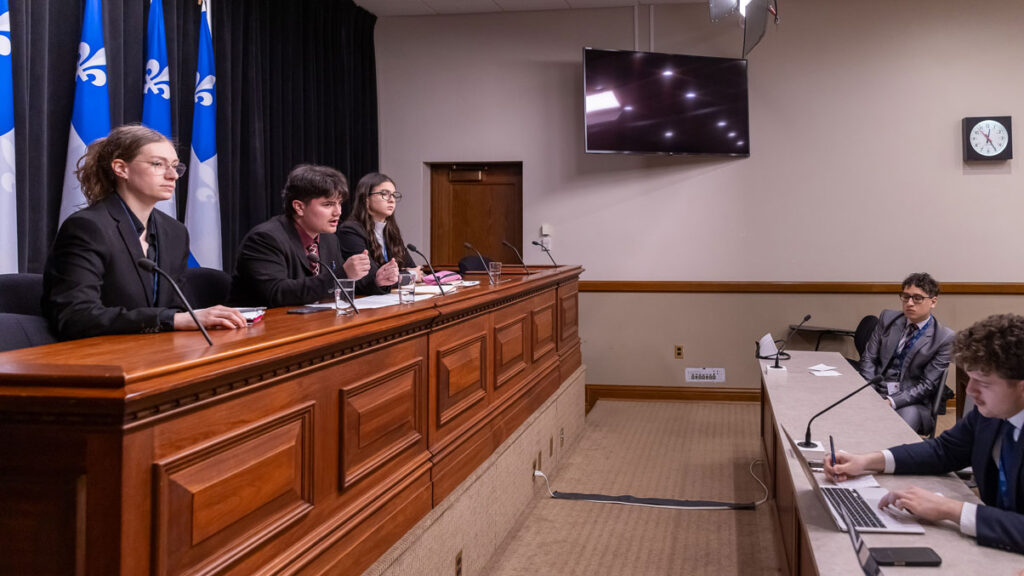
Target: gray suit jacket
[(923, 366)]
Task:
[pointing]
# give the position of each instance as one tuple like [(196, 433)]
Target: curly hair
[(924, 281), (361, 215), (307, 182), (94, 170), (993, 345)]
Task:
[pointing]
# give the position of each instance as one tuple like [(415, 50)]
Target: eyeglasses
[(161, 167), (917, 298), (387, 195)]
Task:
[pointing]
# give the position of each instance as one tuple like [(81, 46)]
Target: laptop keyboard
[(862, 514)]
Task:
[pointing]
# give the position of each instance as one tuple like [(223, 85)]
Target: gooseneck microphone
[(785, 342), (546, 251), (518, 255), (150, 266), (348, 297), (807, 435), (434, 274), (479, 255)]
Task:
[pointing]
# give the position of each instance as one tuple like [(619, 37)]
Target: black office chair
[(23, 331), (21, 294), (860, 338), (472, 263), (942, 395), (205, 287)]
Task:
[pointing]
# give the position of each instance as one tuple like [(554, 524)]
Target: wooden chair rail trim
[(975, 288), (596, 392)]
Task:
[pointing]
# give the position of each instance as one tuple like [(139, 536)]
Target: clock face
[(989, 137)]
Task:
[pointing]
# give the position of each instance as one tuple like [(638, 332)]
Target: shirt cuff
[(892, 403), (969, 519), (890, 462)]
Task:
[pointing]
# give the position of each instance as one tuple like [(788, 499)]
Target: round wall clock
[(987, 138)]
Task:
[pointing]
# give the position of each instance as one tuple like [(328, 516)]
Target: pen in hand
[(832, 445)]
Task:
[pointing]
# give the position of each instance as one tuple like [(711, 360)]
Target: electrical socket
[(679, 351)]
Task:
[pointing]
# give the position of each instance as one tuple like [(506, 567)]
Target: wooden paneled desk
[(865, 422), (303, 444)]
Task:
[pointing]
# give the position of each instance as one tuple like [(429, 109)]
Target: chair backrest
[(23, 331), (863, 333), (21, 294), (942, 393), (205, 287), (472, 263)]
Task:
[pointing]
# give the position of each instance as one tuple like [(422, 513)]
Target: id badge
[(892, 387)]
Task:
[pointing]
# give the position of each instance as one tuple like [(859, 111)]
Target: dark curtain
[(296, 82)]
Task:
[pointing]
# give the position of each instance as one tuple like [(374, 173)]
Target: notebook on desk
[(862, 503)]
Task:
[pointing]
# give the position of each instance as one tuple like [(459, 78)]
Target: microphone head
[(146, 264), (467, 245), (806, 318), (505, 242), (411, 247), (537, 243), (314, 257)]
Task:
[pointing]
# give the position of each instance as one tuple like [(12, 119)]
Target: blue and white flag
[(90, 118), (8, 201), (202, 210), (156, 94)]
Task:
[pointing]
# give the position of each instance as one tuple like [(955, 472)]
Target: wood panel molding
[(596, 392), (974, 288)]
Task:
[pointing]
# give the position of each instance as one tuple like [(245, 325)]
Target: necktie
[(1007, 460), (313, 249), (908, 335)]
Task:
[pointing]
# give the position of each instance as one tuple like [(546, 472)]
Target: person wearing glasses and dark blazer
[(372, 228), (92, 284), (910, 349)]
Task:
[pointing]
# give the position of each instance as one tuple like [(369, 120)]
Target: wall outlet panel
[(705, 374)]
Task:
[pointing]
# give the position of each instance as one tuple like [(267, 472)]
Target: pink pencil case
[(444, 277)]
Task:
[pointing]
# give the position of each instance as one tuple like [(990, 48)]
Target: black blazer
[(922, 368), (91, 284), (354, 239), (273, 269), (970, 443)]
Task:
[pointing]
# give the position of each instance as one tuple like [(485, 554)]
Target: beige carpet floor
[(694, 451)]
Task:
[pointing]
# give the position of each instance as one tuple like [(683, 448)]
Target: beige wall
[(855, 131)]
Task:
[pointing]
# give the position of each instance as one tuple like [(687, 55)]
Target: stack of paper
[(824, 370)]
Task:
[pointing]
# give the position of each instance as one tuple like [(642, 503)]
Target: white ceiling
[(432, 7)]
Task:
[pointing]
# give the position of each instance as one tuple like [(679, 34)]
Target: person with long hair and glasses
[(92, 284), (372, 228)]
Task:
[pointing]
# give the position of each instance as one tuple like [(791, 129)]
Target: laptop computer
[(862, 503), (867, 562)]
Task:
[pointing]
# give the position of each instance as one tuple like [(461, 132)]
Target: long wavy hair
[(361, 215), (94, 171)]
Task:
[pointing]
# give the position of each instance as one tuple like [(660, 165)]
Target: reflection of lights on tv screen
[(645, 102)]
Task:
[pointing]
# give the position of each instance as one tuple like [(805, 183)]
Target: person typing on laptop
[(988, 438)]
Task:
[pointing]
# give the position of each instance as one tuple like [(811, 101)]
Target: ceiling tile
[(396, 7), (463, 6), (523, 5)]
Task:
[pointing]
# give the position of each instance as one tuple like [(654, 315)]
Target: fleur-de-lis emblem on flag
[(157, 80), (94, 65), (204, 90), (5, 34)]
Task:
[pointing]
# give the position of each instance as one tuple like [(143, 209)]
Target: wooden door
[(477, 203)]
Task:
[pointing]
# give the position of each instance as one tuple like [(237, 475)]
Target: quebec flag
[(202, 210), (8, 201), (156, 94), (90, 117)]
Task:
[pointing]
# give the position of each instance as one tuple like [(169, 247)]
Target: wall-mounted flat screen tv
[(651, 103)]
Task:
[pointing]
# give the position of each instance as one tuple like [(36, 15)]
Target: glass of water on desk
[(494, 272), (406, 287), (341, 303)]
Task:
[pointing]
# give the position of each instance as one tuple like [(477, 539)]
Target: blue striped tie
[(1007, 461)]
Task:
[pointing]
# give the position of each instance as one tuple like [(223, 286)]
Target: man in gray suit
[(911, 350)]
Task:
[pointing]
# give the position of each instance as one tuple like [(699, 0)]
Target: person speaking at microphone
[(91, 283), (283, 261), (371, 228), (987, 438)]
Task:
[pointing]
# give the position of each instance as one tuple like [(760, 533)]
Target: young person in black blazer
[(91, 283), (987, 439), (372, 229), (274, 266)]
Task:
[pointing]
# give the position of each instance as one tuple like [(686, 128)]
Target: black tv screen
[(651, 103)]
